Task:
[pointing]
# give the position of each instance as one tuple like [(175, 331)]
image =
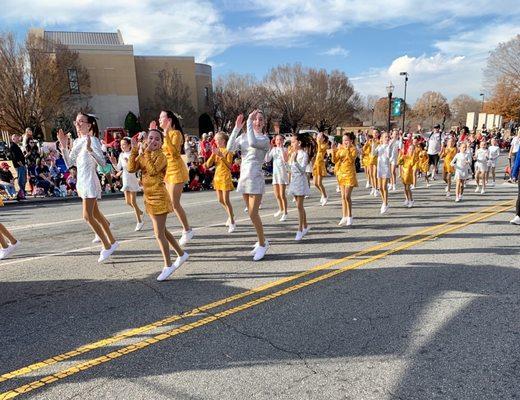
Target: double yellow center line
[(391, 247)]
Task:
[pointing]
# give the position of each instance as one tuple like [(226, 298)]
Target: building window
[(73, 81), (206, 94)]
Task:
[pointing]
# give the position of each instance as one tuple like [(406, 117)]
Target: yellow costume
[(367, 150), (345, 159), (222, 179), (448, 154), (372, 158), (319, 163), (153, 166), (177, 171), (416, 153), (423, 161), (407, 162)]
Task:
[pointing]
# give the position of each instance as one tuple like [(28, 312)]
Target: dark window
[(73, 81)]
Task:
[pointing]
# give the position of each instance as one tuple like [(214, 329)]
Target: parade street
[(418, 303)]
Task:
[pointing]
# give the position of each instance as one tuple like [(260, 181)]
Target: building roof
[(85, 38)]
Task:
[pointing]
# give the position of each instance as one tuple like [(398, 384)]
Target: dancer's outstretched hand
[(239, 123), (62, 138)]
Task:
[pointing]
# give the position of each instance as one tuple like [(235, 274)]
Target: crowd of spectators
[(44, 170)]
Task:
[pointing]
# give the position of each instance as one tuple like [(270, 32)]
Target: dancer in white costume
[(481, 158), (251, 184), (86, 154), (303, 150), (130, 181), (462, 164), (382, 151), (494, 153), (278, 154)]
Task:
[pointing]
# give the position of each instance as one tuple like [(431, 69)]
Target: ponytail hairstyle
[(94, 128), (175, 125), (307, 143)]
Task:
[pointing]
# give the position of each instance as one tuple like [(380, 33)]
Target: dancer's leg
[(159, 228), (253, 205), (89, 206), (175, 191)]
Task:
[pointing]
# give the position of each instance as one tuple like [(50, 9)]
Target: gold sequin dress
[(153, 166)]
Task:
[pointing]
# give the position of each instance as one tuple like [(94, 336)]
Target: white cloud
[(336, 51), (187, 27), (456, 68), (291, 20)]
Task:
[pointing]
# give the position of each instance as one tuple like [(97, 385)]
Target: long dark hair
[(175, 125), (307, 143)]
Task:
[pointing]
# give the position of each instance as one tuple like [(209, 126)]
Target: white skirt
[(299, 185), (480, 166), (462, 175)]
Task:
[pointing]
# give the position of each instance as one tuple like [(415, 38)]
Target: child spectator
[(7, 180), (71, 182)]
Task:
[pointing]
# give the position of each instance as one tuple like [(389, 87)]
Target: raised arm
[(173, 141), (70, 156), (301, 166), (261, 143), (133, 162), (239, 123), (154, 163), (97, 152)]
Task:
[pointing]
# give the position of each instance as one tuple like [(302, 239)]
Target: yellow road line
[(222, 314), (173, 318)]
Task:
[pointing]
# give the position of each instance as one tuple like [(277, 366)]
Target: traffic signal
[(397, 105)]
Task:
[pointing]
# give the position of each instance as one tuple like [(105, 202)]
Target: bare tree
[(171, 93), (502, 78), (234, 94), (504, 64), (39, 80), (365, 112), (287, 93), (461, 105), (333, 100), (430, 108)]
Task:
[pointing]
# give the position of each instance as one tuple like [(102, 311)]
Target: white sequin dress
[(280, 175), (383, 160), (87, 185), (253, 149), (299, 185), (130, 180)]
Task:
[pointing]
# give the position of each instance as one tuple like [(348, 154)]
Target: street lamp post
[(482, 107), (373, 109), (389, 90), (405, 74)]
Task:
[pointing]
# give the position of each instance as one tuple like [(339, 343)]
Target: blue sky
[(442, 44)]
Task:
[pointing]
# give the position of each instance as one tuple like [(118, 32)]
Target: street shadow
[(452, 330)]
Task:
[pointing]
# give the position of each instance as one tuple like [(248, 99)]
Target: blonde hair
[(221, 134)]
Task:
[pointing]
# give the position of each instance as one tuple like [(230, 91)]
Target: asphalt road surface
[(420, 303)]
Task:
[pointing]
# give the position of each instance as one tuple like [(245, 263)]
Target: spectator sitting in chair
[(7, 180), (71, 181), (43, 178)]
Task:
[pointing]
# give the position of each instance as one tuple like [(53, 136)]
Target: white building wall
[(111, 110)]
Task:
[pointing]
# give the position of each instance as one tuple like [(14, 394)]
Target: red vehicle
[(113, 134)]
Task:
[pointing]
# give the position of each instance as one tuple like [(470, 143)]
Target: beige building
[(121, 81)]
